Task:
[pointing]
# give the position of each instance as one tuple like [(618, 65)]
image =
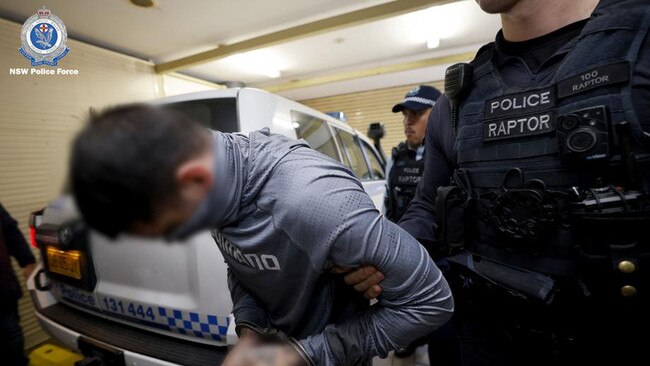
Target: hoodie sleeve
[(246, 308), (338, 224)]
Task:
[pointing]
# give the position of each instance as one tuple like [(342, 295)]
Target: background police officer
[(546, 273), (405, 166), (12, 244), (404, 170)]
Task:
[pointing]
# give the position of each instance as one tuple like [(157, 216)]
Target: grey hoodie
[(283, 215)]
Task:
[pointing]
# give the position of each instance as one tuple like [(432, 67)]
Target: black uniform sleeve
[(641, 86), (14, 239), (439, 158)]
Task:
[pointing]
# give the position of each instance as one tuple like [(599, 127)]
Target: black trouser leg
[(11, 336), (443, 346)]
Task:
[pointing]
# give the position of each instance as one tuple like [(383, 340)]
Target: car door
[(317, 133), (363, 161), (343, 146)]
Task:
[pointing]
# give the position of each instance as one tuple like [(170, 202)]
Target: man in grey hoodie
[(282, 214)]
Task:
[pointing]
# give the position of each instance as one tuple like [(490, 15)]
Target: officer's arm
[(641, 88), (339, 225), (14, 239), (419, 219)]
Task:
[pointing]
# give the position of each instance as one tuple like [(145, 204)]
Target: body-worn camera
[(584, 135)]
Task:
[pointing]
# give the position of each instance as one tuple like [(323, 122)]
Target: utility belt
[(529, 234), (565, 323)]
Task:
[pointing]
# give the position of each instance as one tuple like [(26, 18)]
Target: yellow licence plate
[(64, 262)]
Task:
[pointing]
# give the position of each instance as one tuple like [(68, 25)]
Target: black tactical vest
[(402, 181), (535, 162)]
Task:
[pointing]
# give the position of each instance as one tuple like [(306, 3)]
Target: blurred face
[(415, 125), (194, 180), (497, 6)]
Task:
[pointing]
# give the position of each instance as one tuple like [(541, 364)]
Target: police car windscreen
[(216, 114)]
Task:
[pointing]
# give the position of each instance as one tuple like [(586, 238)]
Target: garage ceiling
[(174, 29), (383, 40)]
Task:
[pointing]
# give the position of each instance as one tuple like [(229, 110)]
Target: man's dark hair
[(123, 163)]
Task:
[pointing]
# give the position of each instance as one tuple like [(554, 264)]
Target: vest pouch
[(452, 211), (614, 245)]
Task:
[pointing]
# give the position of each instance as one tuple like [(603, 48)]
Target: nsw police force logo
[(43, 39)]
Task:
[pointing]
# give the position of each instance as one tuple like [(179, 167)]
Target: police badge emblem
[(413, 91), (43, 39)]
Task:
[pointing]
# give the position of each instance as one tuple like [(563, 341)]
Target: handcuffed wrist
[(301, 352), (265, 334)]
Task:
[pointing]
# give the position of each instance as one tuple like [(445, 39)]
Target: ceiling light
[(442, 21), (258, 62), (433, 42)]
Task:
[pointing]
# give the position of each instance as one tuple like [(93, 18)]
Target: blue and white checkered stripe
[(419, 100), (199, 325), (183, 322)]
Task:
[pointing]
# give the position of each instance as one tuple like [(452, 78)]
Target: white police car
[(135, 301)]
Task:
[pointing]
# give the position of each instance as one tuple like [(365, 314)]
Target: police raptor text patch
[(517, 115), (600, 76)]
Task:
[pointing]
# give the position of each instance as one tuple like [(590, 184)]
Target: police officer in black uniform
[(404, 170), (406, 164), (537, 185), (12, 244)]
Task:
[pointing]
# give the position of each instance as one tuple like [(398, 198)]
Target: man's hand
[(248, 340), (28, 270), (272, 355), (365, 279)]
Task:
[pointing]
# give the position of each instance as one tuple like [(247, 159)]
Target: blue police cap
[(418, 98)]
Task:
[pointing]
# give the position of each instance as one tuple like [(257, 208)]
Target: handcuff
[(272, 335)]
